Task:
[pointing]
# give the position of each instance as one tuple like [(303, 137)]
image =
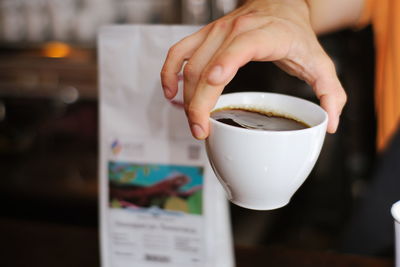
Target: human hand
[(261, 30)]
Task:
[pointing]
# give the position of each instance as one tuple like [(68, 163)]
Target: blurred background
[(49, 131)]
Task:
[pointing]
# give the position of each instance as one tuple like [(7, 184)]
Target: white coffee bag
[(160, 202)]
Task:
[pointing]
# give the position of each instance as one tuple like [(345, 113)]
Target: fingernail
[(198, 132), (215, 75), (167, 92)]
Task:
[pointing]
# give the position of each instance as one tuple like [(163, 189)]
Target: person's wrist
[(307, 2), (293, 10)]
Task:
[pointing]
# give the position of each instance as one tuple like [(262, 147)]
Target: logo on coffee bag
[(116, 147)]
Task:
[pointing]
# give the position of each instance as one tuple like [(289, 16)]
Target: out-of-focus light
[(56, 50), (69, 95)]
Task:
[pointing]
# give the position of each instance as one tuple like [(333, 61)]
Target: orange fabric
[(383, 14)]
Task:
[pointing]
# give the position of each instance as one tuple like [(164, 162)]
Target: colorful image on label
[(171, 188)]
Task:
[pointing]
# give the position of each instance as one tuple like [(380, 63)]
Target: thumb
[(330, 93)]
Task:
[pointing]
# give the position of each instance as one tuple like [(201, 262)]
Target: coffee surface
[(257, 120)]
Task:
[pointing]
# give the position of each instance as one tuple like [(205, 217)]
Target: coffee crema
[(254, 119)]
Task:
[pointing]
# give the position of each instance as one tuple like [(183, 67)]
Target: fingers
[(319, 71), (213, 57), (330, 92), (333, 103), (200, 58), (266, 44), (220, 71), (176, 56), (221, 34)]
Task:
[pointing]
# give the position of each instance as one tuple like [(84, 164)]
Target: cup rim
[(396, 211), (263, 132)]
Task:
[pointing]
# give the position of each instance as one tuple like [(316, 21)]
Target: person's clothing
[(385, 19), (371, 228)]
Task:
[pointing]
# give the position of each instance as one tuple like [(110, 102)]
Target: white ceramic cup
[(262, 170), (396, 216)]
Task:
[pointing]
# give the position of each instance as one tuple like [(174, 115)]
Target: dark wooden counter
[(284, 257), (25, 243)]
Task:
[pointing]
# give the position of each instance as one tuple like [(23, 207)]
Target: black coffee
[(257, 120)]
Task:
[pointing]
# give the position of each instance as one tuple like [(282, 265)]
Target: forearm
[(330, 15)]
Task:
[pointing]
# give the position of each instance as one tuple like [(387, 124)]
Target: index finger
[(175, 59), (220, 71)]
